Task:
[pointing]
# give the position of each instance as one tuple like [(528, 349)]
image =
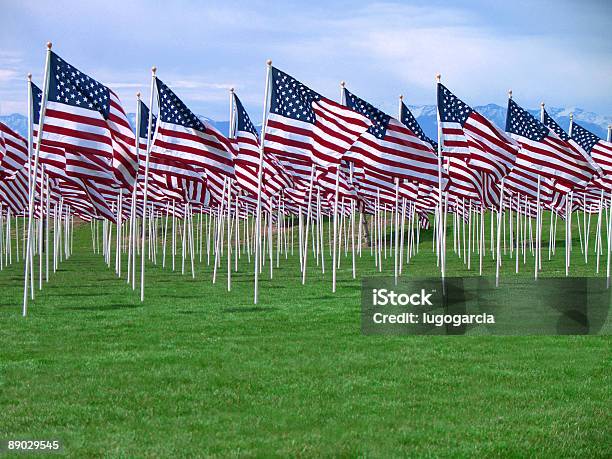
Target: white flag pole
[(308, 216), (229, 197), (538, 231), (146, 184), (609, 236), (259, 178), (441, 232), (335, 235), (481, 244), (229, 236), (41, 123), (499, 221), (133, 229), (396, 260), (40, 227), (598, 243)]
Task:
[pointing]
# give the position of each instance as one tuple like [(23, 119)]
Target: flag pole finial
[(542, 104), (138, 95), (153, 70), (342, 84), (509, 93), (571, 116), (49, 45), (438, 77), (401, 97), (29, 77), (269, 62), (232, 89)]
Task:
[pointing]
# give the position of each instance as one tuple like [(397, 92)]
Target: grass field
[(198, 371)]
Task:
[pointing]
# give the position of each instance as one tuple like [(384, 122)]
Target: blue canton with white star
[(520, 122), (411, 123), (36, 103), (244, 122), (292, 99), (585, 138), (549, 122), (70, 86), (451, 108), (144, 121), (379, 119), (173, 110)]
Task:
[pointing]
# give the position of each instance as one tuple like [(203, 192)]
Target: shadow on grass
[(81, 294), (251, 309), (105, 307), (180, 297)]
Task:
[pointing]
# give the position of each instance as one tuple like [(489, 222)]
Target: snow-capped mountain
[(16, 122), (598, 124), (222, 126), (425, 115)]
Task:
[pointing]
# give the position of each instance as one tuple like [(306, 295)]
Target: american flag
[(470, 183), (469, 135), (246, 143), (550, 123), (305, 126), (246, 139), (408, 119), (389, 147), (326, 180), (13, 151), (275, 178), (544, 153), (600, 151), (168, 178), (84, 115), (186, 139), (14, 191), (143, 125), (72, 166)]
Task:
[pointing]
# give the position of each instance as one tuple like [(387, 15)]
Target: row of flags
[(349, 149)]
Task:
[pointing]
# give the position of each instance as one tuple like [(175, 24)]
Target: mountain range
[(425, 115)]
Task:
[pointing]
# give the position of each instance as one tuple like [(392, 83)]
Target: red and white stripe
[(399, 154), (13, 151), (324, 142), (482, 144), (197, 150)]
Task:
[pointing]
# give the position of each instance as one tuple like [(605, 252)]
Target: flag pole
[(396, 261), (308, 216), (598, 243), (133, 229), (499, 221), (609, 236), (439, 226), (41, 227), (146, 184), (229, 203), (41, 123), (259, 178), (31, 181), (538, 231), (335, 236), (229, 236)]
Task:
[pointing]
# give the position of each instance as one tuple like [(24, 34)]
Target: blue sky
[(556, 51)]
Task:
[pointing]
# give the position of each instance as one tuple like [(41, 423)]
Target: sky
[(559, 51)]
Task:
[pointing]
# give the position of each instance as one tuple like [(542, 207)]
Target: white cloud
[(381, 49)]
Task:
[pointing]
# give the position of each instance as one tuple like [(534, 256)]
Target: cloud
[(381, 49), (7, 74)]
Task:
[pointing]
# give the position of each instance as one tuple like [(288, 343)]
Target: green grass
[(198, 371)]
